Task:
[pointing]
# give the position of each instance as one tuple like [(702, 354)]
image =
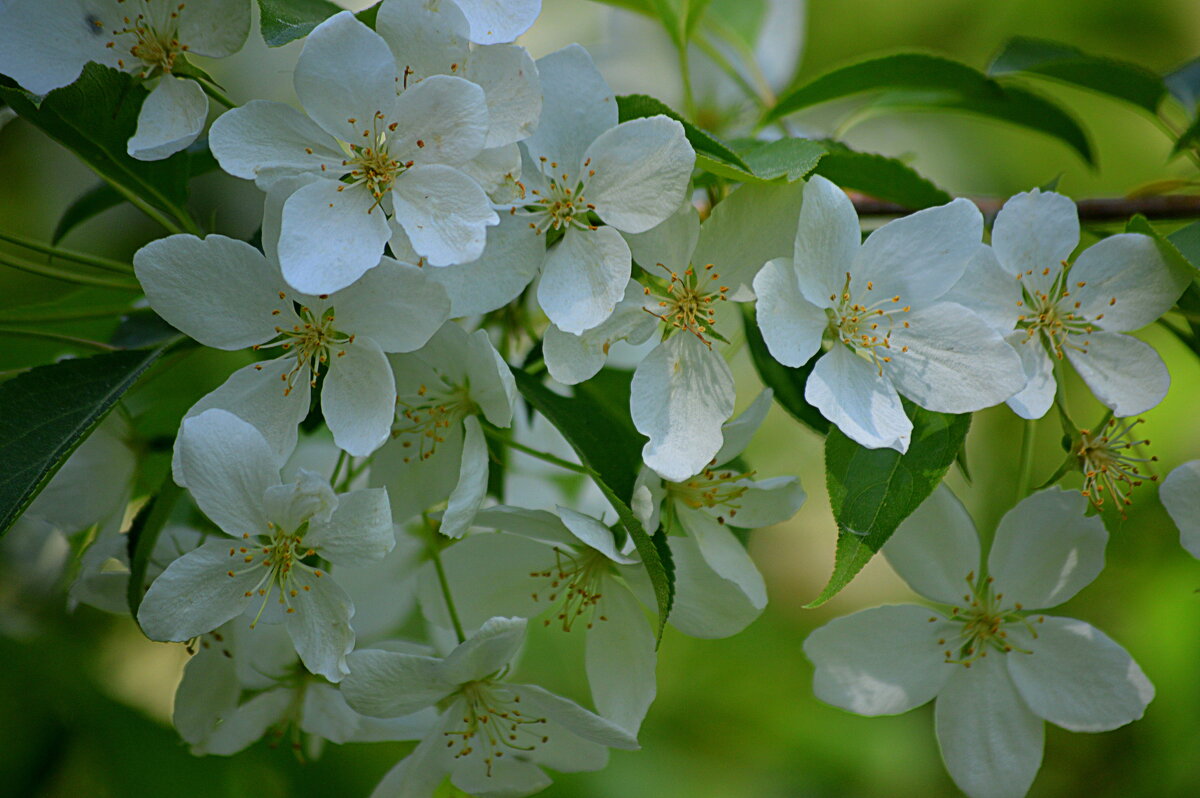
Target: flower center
[(573, 585), (1107, 464), (866, 323), (687, 302), (1053, 315), (561, 204), (311, 340), (422, 419), (154, 41), (279, 553), (983, 618), (368, 161), (493, 725), (711, 489)]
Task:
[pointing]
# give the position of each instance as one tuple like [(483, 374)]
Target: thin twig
[(1107, 209)]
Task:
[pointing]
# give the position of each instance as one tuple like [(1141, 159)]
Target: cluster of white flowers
[(438, 176)]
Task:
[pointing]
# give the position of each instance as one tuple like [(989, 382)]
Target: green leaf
[(94, 118), (1184, 84), (285, 21), (873, 490), (143, 536), (790, 158), (958, 87), (785, 381), (613, 456), (1119, 79), (1187, 242), (48, 411), (637, 106), (879, 176), (1167, 246), (1189, 138)]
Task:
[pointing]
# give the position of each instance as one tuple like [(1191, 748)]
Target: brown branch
[(1173, 206)]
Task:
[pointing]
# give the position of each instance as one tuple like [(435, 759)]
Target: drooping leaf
[(613, 457), (879, 176), (790, 158), (1184, 84), (143, 536), (1119, 79), (1188, 138), (1187, 241), (948, 84), (787, 382), (285, 21), (48, 411), (1167, 246), (873, 490), (94, 118), (636, 106)]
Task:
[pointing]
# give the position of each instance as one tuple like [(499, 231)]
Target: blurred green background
[(85, 702)]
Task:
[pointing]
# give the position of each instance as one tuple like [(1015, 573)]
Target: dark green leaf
[(636, 106), (1184, 84), (873, 490), (613, 456), (140, 328), (879, 176), (1120, 79), (1167, 246), (1189, 137), (285, 21), (956, 85), (785, 381), (1187, 241), (790, 158), (92, 202), (48, 411), (94, 118), (142, 537)]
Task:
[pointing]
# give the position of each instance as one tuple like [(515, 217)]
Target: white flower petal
[(326, 714), (935, 548), (642, 168), (208, 690), (441, 120), (249, 722), (826, 242), (171, 118), (737, 433), (510, 260), (44, 46), (499, 20), (486, 651), (1035, 230), (919, 257), (1046, 550), (420, 773), (955, 362), (791, 325), (509, 78), (468, 494), (491, 380), (771, 210), (215, 28), (265, 141), (706, 605), (397, 305), (724, 554), (621, 658), (573, 717), (218, 290), (681, 394), (571, 359), (320, 623), (416, 483), (1128, 268), (593, 534), (196, 594), (1037, 397), (670, 243), (310, 497), (584, 277), (358, 398), (330, 238), (425, 37), (988, 291), (577, 106), (390, 684), (991, 742), (227, 466), (1124, 373), (507, 776), (444, 213), (1077, 677), (358, 532), (540, 525), (256, 394), (345, 72), (1180, 495), (765, 502), (881, 661), (850, 393), (491, 575)]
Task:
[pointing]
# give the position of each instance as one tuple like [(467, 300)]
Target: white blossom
[(1180, 495), (880, 302), (272, 530), (44, 44), (997, 666)]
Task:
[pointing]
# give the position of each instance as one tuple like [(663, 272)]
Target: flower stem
[(66, 254), (67, 315), (689, 100), (66, 276), (496, 435), (52, 336), (1026, 469), (436, 555)]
